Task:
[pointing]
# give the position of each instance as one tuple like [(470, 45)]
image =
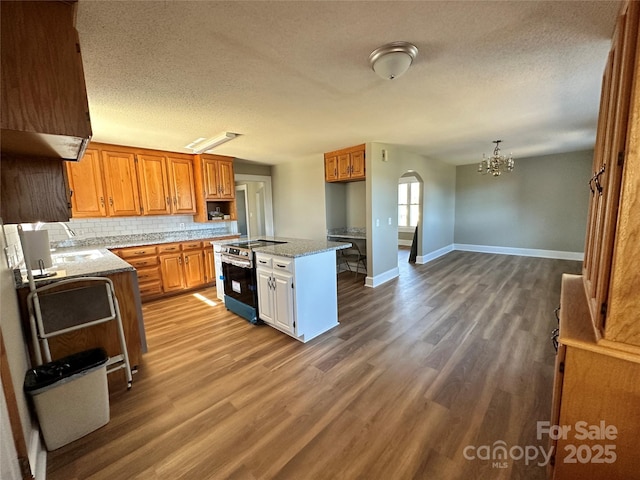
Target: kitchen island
[(296, 284)]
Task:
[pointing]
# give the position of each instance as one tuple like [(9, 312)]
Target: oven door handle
[(237, 262)]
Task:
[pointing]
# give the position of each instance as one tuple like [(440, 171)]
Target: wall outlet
[(181, 225), (377, 222), (389, 220)]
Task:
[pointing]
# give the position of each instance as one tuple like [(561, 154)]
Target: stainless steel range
[(238, 270)]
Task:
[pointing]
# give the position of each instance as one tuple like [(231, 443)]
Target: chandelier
[(496, 164)]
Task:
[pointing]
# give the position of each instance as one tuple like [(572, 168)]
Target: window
[(408, 203)]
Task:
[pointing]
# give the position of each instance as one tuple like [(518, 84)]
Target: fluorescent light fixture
[(201, 145)]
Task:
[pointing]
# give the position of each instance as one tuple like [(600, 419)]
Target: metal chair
[(353, 255), (70, 305)]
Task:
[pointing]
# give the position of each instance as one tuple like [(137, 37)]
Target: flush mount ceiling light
[(497, 163), (393, 59), (202, 145)]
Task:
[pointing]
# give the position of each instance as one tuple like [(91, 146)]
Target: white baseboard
[(422, 259), (382, 278), (405, 243), (524, 252)]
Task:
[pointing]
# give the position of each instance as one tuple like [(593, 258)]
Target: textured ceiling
[(293, 77)]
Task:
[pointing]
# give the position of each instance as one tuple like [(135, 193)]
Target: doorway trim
[(268, 198)]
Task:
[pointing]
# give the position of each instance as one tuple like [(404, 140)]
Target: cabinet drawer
[(169, 248), (147, 275), (263, 261), (138, 251), (143, 262), (191, 245), (282, 264), (150, 289)]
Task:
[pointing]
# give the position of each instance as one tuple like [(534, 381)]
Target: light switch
[(389, 220), (377, 222)]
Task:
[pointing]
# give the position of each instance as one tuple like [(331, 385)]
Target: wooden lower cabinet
[(596, 399), (171, 271), (171, 267)]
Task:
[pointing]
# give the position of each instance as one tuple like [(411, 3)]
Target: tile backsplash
[(87, 229)]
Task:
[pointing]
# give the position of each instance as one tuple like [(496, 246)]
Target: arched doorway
[(410, 208)]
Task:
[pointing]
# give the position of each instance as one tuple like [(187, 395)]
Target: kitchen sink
[(76, 256)]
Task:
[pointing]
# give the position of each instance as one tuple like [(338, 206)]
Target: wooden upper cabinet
[(155, 196), (346, 165), (85, 186), (613, 227), (357, 165), (331, 168), (218, 178), (121, 183), (33, 190), (182, 184), (45, 112)]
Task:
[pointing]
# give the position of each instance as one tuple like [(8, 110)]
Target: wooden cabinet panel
[(218, 178), (209, 265), (611, 246), (331, 169), (171, 268), (226, 179), (346, 165), (193, 268), (142, 251), (33, 190), (357, 165), (85, 185), (121, 183), (155, 196), (168, 248), (44, 112), (182, 185)]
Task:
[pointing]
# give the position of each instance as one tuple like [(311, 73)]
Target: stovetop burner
[(255, 243)]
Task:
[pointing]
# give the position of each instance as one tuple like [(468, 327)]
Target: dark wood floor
[(452, 353)]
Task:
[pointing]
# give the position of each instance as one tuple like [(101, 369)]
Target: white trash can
[(70, 395)]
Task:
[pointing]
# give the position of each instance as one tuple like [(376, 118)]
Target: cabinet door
[(283, 301), (154, 185), (344, 166), (357, 165), (85, 184), (331, 169), (44, 112), (265, 295), (182, 185), (121, 183), (193, 268), (210, 179), (226, 179), (209, 265), (171, 268), (33, 191)]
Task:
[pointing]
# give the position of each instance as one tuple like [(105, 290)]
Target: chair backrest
[(70, 305)]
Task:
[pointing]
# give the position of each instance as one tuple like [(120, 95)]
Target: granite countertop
[(123, 241), (293, 247), (348, 232), (78, 262)]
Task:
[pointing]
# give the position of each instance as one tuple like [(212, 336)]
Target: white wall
[(17, 355), (438, 220), (541, 205), (299, 199)]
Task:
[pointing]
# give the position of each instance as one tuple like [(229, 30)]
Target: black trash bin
[(70, 395)]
